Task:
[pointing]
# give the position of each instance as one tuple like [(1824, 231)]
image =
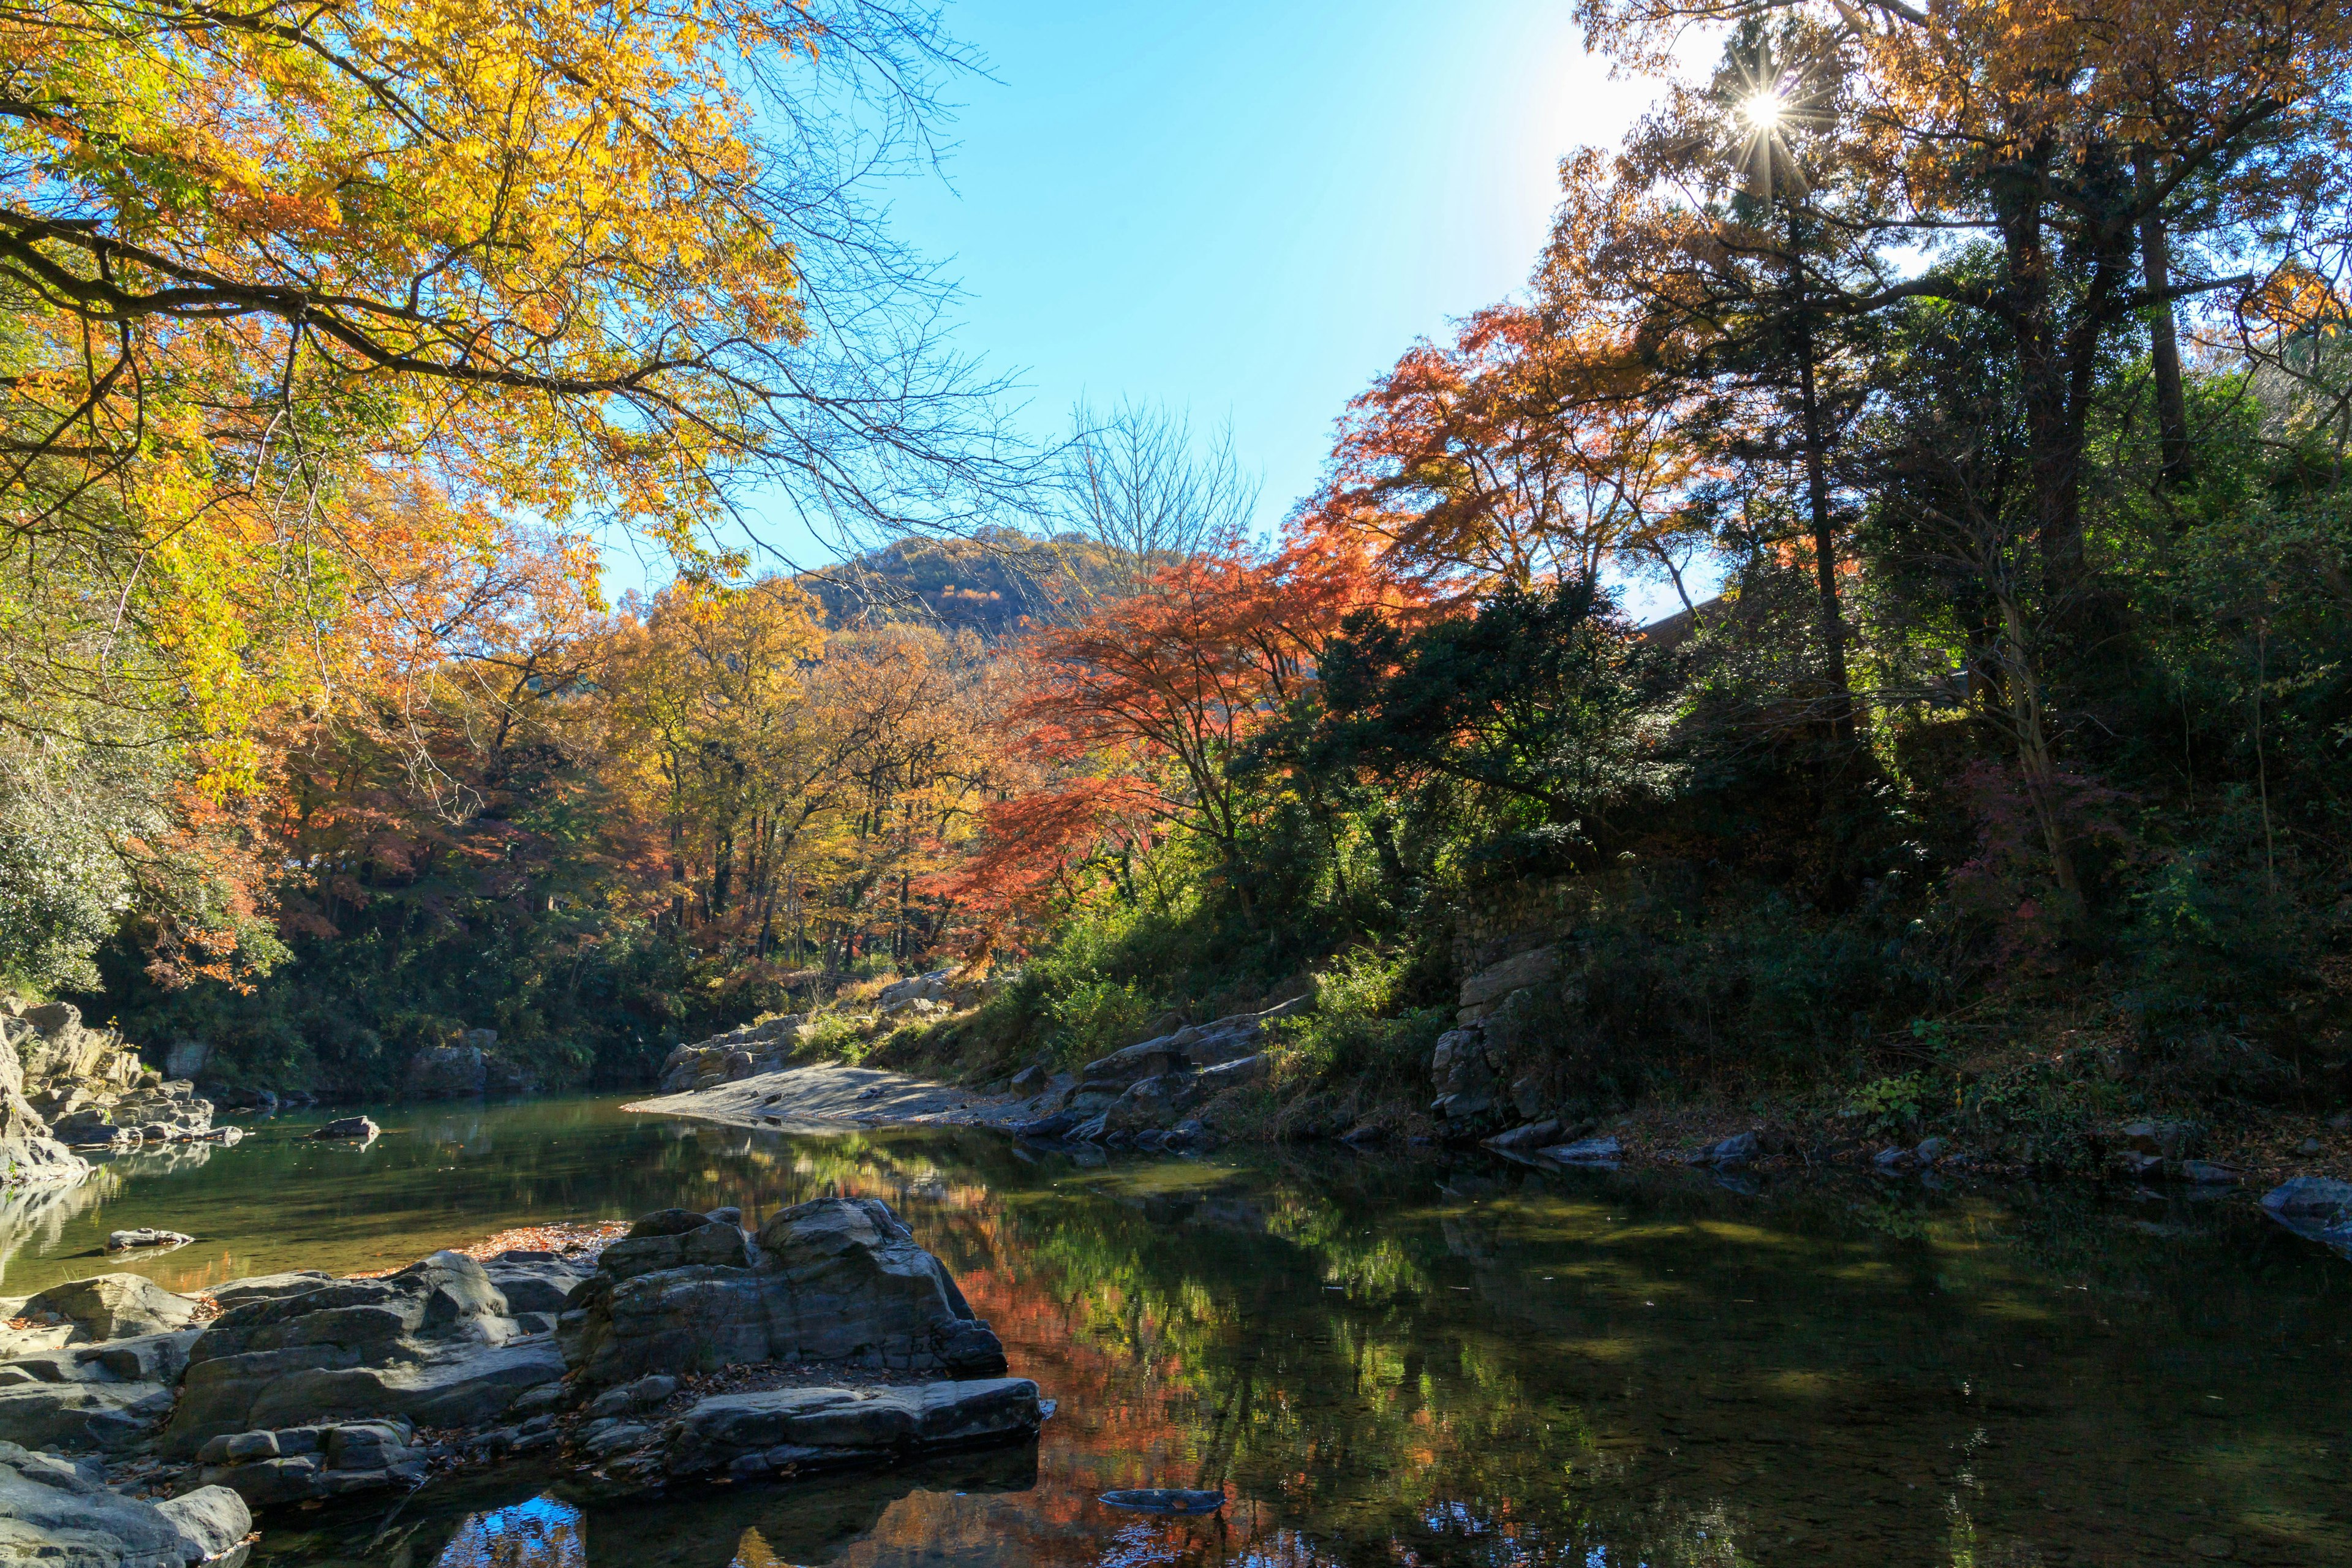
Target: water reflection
[(1451, 1362), (545, 1532)]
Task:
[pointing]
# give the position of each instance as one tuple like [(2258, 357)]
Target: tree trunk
[(2031, 721), (2164, 338)]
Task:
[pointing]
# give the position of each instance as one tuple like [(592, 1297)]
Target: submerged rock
[(834, 1279)]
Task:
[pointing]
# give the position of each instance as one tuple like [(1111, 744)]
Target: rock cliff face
[(64, 1085), (28, 1155)]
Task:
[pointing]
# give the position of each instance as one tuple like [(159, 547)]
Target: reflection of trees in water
[(543, 1532), (37, 1216)]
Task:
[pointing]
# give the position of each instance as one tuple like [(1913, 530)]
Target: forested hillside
[(1982, 370)]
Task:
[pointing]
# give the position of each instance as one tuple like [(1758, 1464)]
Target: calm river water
[(1394, 1361)]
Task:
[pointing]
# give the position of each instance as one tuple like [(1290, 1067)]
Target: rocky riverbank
[(146, 1427), (67, 1092)]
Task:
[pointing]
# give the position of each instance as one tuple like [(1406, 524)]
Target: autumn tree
[(1527, 449)]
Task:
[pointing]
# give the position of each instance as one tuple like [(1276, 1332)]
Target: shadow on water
[(1426, 1360)]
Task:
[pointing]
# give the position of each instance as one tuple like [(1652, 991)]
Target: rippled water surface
[(1440, 1360)]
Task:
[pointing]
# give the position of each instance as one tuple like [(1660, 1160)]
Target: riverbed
[(1401, 1359)]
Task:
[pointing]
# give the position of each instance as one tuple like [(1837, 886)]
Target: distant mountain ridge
[(992, 584)]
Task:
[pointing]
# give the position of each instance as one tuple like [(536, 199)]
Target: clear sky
[(1247, 209)]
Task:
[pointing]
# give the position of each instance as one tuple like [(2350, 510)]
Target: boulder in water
[(360, 1127), (833, 1279), (127, 1240)]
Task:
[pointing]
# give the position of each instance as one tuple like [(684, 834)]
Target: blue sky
[(1246, 210)]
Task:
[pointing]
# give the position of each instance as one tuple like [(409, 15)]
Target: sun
[(1765, 110)]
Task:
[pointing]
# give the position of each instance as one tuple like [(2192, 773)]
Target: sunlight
[(1763, 110)]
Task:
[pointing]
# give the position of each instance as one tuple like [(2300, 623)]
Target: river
[(1440, 1359)]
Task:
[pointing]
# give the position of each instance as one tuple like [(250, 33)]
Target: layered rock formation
[(50, 1511), (1152, 1093), (62, 1084), (733, 1056), (436, 1343), (836, 1279), (307, 1387)]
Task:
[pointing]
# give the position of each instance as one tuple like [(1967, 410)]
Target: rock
[(2213, 1546), (804, 1430), (2310, 1148), (1586, 1151), (51, 1512), (1533, 1135), (1484, 992), (1735, 1151), (2319, 1207), (54, 1017), (708, 1245), (535, 1287), (1057, 1125), (184, 1057), (431, 1344), (1029, 1079), (1890, 1160), (125, 1240), (269, 1287), (1929, 1150), (445, 1072), (298, 1464), (1468, 1081), (145, 1358), (836, 1279), (112, 1306), (359, 1127), (2208, 1174), (1527, 1096), (2340, 1123), (642, 1394), (82, 1417), (2168, 1140), (1197, 1046), (211, 1519)]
